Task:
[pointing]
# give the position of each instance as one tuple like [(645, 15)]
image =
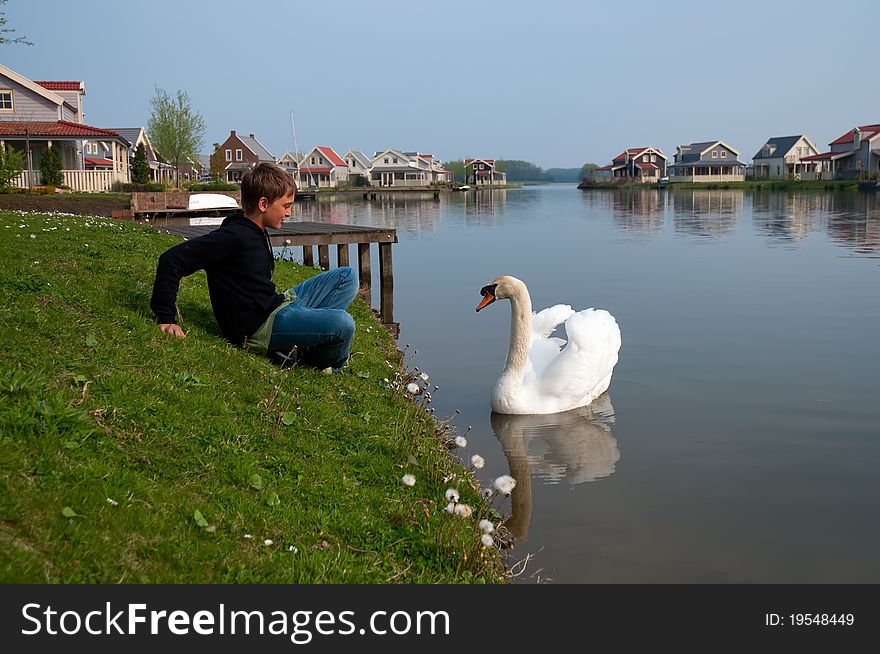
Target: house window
[(6, 100), (238, 155), (386, 159), (229, 155), (714, 154), (312, 160), (723, 154), (395, 159), (653, 158)]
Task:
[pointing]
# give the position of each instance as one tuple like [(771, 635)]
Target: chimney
[(857, 139), (251, 135), (232, 132)]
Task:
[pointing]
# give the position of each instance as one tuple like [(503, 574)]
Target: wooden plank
[(308, 256), (342, 254), (324, 257)]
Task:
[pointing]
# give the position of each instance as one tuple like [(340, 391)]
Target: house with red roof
[(322, 167), (38, 115), (635, 165), (483, 172), (237, 155), (854, 155)]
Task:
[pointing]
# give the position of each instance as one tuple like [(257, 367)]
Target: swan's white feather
[(555, 375)]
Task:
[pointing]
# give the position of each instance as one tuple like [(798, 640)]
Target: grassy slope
[(97, 405)]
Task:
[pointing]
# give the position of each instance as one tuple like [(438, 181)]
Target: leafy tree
[(456, 168), (588, 170), (520, 171), (8, 30), (140, 169), (176, 129), (11, 165), (50, 167)]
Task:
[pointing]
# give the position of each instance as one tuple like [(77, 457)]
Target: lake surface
[(740, 438)]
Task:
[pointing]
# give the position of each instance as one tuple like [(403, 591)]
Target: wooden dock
[(323, 235)]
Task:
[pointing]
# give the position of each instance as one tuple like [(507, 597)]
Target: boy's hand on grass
[(172, 328)]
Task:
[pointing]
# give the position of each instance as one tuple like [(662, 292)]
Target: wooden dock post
[(308, 256), (364, 269), (386, 289), (324, 257), (342, 254)]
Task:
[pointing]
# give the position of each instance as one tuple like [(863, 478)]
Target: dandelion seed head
[(464, 510), (505, 484), (461, 441), (477, 461), (452, 495), (486, 526), (268, 541), (412, 387), (487, 540), (408, 480)]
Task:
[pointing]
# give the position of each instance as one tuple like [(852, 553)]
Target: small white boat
[(464, 187), (202, 201)]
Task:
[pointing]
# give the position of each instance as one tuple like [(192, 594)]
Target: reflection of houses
[(639, 165), (706, 212), (638, 209), (784, 156), (788, 217), (483, 172), (709, 161), (322, 167), (238, 154), (854, 155), (36, 116)]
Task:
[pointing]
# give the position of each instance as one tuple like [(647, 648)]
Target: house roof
[(783, 145), (361, 158), (58, 129), (331, 155), (62, 86), (97, 161), (256, 147), (829, 155), (872, 131), (648, 166), (31, 85), (629, 151), (323, 170)]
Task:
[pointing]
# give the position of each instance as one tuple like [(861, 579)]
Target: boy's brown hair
[(265, 180)]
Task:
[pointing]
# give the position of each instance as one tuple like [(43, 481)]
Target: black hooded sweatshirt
[(238, 261)]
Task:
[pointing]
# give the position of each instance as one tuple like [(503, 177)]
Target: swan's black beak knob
[(488, 293)]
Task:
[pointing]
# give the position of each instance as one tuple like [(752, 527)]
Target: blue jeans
[(316, 322)]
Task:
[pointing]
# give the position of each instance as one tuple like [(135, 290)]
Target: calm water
[(740, 438)]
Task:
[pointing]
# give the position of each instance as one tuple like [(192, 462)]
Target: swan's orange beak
[(488, 298)]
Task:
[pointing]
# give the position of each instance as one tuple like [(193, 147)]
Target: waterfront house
[(483, 172), (854, 155), (358, 167), (635, 165), (783, 157), (396, 168), (238, 154), (437, 173), (289, 161), (160, 170), (38, 115), (706, 161), (322, 167)]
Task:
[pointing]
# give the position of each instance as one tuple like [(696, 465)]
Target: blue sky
[(557, 83)]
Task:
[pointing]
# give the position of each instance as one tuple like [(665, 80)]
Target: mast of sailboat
[(296, 152)]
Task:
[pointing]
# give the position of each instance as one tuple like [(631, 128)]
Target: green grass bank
[(130, 456)]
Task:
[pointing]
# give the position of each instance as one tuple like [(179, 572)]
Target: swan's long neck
[(520, 331)]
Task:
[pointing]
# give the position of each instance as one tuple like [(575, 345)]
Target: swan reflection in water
[(575, 446)]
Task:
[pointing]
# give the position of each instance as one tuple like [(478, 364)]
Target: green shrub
[(11, 165), (50, 167)]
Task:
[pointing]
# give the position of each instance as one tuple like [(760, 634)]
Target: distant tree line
[(525, 171)]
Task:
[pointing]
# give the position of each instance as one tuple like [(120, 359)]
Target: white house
[(322, 167), (782, 157)]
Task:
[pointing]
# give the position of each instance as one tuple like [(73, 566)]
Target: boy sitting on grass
[(308, 323)]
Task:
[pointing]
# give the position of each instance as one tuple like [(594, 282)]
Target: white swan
[(544, 374)]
